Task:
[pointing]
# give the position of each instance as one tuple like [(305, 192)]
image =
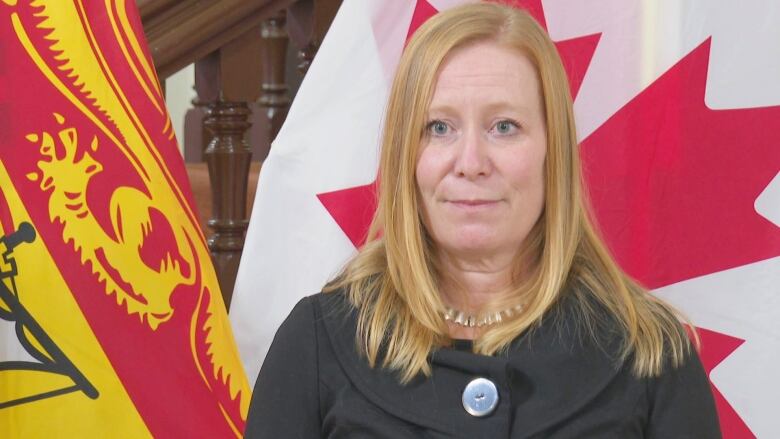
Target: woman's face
[(480, 170)]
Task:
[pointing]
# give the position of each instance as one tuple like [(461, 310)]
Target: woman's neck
[(469, 285), (470, 291)]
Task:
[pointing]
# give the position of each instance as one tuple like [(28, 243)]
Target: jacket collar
[(540, 378)]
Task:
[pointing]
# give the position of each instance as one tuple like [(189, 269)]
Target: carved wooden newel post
[(227, 81)]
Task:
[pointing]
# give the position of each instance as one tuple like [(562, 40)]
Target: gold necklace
[(471, 321)]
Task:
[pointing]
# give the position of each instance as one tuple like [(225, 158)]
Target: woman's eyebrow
[(505, 105), (442, 108), (446, 108)]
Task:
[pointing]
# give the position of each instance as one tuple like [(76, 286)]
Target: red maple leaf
[(353, 208), (715, 347), (673, 183), (422, 12)]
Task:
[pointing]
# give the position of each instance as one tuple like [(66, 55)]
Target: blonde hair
[(392, 281)]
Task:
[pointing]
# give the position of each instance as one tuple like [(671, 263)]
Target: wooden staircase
[(239, 49)]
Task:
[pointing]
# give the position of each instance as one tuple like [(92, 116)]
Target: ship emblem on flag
[(35, 341)]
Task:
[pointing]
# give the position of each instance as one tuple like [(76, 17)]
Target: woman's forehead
[(492, 74), (485, 58)]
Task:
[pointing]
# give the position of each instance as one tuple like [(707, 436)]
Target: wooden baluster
[(228, 80), (228, 157), (274, 98), (308, 21)]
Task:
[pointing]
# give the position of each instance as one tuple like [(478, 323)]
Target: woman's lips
[(473, 204)]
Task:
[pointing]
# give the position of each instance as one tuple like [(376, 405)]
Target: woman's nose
[(472, 159)]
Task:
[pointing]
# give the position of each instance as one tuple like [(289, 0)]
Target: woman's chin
[(474, 246)]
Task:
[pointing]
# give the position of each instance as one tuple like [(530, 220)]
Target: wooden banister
[(149, 8), (182, 31)]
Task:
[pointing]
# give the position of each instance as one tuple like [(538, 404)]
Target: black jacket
[(552, 383)]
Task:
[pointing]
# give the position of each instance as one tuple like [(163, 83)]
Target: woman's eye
[(438, 128), (505, 127)]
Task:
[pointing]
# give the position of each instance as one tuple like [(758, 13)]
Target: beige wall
[(178, 94)]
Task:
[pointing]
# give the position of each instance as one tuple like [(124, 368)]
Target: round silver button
[(480, 397)]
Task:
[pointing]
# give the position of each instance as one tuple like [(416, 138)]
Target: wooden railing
[(239, 49)]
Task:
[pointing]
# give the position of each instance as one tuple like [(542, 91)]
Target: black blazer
[(552, 383)]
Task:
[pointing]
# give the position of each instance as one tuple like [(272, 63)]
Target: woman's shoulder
[(297, 328), (312, 307), (321, 312), (286, 399), (581, 319), (593, 330), (317, 325)]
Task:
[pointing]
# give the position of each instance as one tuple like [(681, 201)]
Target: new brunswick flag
[(111, 319)]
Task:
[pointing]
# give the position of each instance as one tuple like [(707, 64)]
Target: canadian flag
[(678, 112)]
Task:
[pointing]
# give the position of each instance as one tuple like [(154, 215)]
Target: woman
[(484, 304)]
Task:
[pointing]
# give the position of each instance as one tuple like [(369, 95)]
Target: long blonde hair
[(392, 281)]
